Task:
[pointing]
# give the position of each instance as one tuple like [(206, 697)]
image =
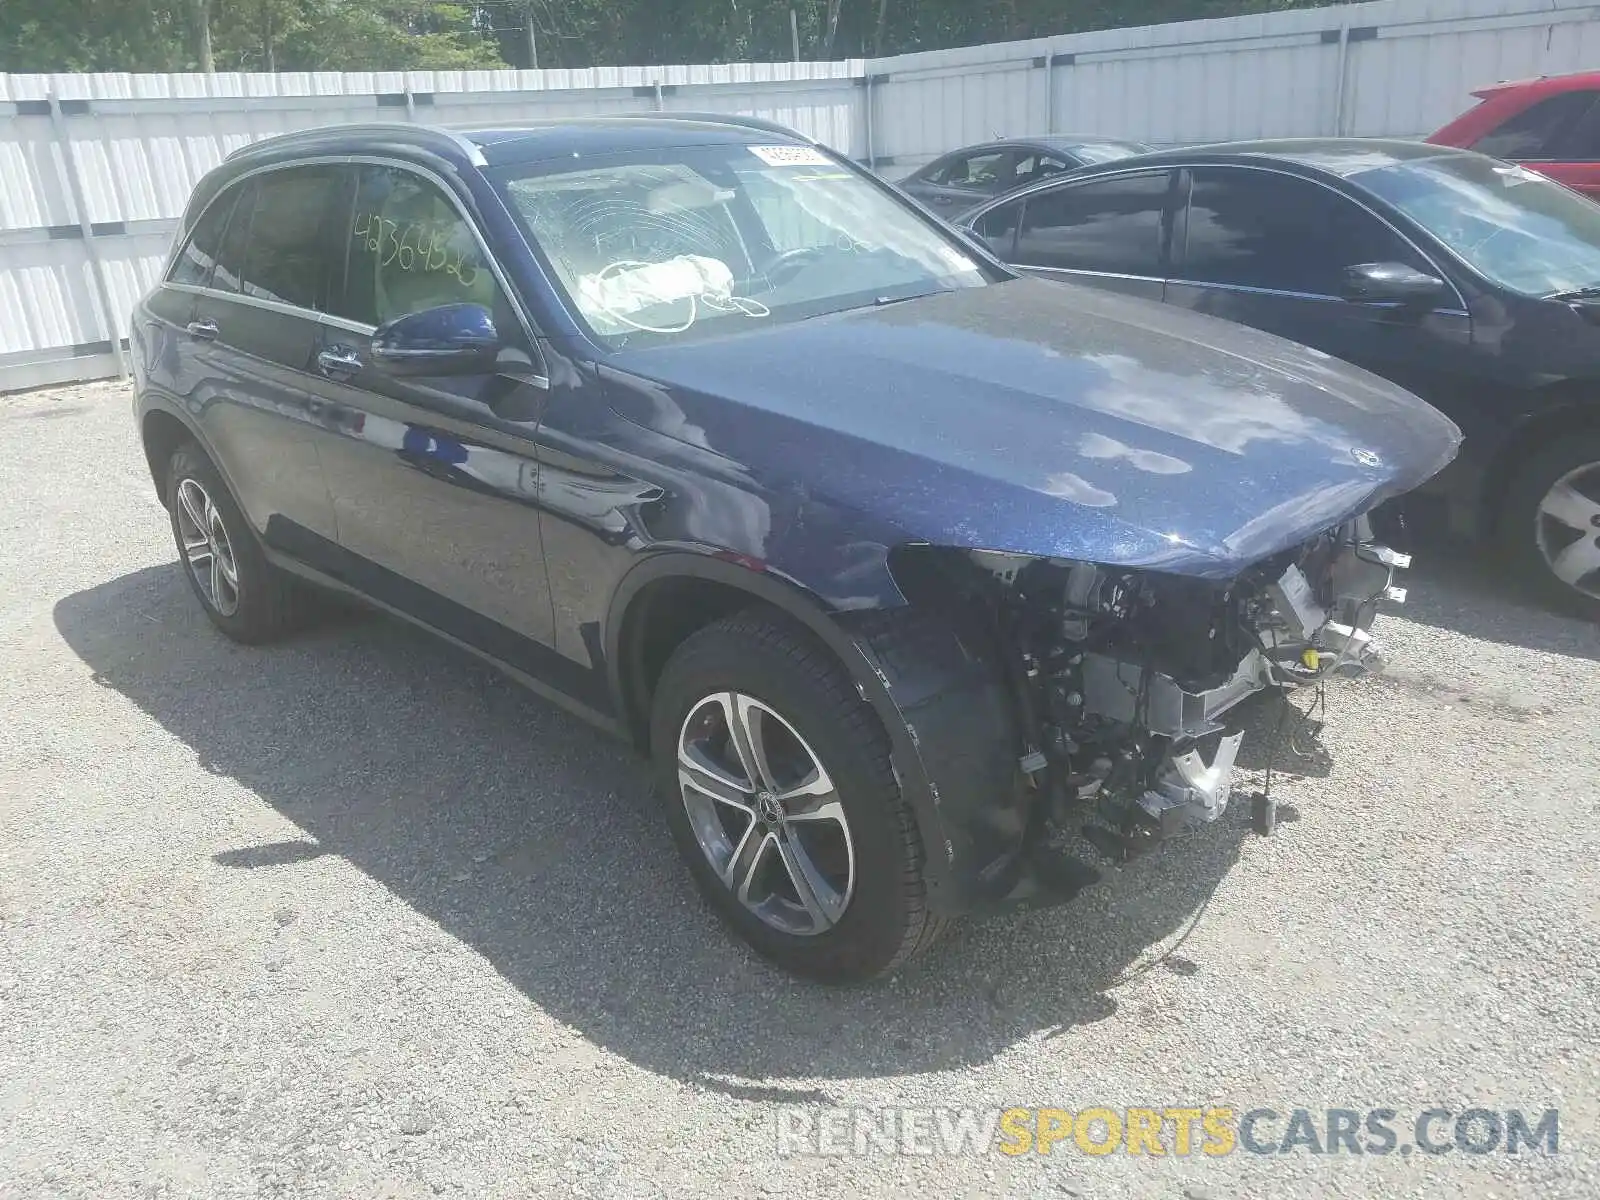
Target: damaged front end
[(1123, 680)]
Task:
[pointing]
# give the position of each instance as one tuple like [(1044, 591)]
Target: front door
[(434, 478), (1270, 250)]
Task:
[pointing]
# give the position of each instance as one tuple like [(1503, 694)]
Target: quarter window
[(198, 257), (1112, 226), (1537, 131), (285, 254), (998, 228), (407, 248), (1264, 230)]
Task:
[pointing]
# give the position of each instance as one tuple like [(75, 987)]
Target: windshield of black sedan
[(694, 241), (1516, 227)]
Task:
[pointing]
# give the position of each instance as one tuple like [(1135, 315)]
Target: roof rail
[(433, 134)]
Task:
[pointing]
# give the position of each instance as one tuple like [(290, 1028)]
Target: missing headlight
[(1125, 679)]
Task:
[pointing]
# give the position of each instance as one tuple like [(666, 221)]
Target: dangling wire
[(1318, 705)]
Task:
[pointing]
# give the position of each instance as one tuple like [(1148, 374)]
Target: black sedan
[(1472, 282), (956, 182), (891, 561)]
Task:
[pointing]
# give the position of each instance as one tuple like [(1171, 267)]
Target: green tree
[(265, 35)]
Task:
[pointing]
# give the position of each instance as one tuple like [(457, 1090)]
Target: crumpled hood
[(1047, 419)]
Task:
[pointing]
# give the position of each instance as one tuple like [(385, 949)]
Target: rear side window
[(1260, 229), (1538, 131), (230, 254), (198, 257), (1580, 141), (408, 248), (286, 255), (1112, 226)]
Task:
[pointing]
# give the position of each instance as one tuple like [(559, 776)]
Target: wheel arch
[(942, 708), (161, 434), (670, 596), (1570, 408)]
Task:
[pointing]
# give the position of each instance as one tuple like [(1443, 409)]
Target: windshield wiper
[(1591, 292), (881, 301)]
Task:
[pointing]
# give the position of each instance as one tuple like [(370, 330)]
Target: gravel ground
[(353, 916)]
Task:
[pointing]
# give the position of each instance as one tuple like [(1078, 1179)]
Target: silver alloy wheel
[(766, 814), (1568, 529), (206, 548)]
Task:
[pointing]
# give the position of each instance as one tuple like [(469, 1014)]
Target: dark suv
[(893, 562)]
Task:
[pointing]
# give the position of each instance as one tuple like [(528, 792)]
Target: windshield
[(1514, 226), (1104, 152), (694, 241)]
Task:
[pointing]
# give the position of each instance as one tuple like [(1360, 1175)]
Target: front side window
[(1262, 229), (285, 252), (1536, 131), (1514, 226), (1034, 167), (692, 241), (1104, 152), (406, 247), (991, 171), (1112, 226), (198, 258)]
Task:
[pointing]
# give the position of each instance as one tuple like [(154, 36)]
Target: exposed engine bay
[(1122, 678)]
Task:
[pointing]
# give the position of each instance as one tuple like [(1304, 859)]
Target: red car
[(1551, 125)]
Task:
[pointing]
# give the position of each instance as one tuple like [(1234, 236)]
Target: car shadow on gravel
[(1465, 588), (533, 839)]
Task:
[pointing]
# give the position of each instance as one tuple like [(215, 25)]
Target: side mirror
[(451, 339), (1391, 283)]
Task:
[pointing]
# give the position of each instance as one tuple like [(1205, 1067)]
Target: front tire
[(245, 596), (782, 800), (1551, 523)]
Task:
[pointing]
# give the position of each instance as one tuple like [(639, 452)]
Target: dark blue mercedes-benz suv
[(895, 564)]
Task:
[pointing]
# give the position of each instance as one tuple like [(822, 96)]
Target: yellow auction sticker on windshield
[(791, 156)]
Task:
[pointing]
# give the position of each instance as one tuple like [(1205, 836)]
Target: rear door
[(1558, 136), (251, 338), (1270, 249), (433, 489), (1110, 232)]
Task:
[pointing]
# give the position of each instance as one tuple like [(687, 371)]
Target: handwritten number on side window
[(414, 248)]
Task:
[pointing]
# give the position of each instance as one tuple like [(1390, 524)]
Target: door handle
[(943, 200), (338, 361), (204, 330)]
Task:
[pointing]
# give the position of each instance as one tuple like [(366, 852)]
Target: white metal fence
[(95, 169)]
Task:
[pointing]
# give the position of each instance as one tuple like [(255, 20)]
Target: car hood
[(1046, 419)]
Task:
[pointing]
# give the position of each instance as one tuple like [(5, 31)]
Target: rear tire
[(835, 895), (1550, 526), (245, 596)]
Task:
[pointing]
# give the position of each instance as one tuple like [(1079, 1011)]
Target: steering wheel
[(786, 263)]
